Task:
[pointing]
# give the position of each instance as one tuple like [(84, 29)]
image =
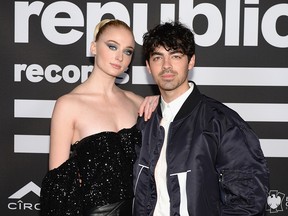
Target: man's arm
[(243, 173)]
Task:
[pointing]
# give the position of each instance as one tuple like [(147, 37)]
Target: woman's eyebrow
[(112, 41)]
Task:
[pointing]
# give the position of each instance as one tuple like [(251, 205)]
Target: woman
[(99, 118)]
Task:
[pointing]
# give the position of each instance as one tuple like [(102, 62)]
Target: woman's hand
[(148, 106)]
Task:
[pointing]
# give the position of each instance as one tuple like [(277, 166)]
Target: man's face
[(170, 69)]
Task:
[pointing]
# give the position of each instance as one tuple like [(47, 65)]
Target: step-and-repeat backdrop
[(242, 60)]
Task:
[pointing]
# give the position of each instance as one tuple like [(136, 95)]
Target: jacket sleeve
[(243, 172)]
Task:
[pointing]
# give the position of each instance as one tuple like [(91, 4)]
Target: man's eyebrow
[(176, 51), (171, 52), (156, 53)]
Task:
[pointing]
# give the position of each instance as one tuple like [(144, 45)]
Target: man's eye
[(156, 58), (177, 56)]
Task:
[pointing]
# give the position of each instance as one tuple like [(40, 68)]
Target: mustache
[(167, 71)]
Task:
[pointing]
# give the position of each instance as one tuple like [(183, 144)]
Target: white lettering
[(167, 12), (85, 71), (20, 205), (28, 206), (214, 18), (140, 27), (269, 26), (122, 78), (12, 206), (251, 23), (54, 73), (232, 23), (49, 22), (34, 73), (23, 11), (37, 206), (18, 68), (74, 71), (53, 69)]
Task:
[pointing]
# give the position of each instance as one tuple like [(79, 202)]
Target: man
[(199, 158)]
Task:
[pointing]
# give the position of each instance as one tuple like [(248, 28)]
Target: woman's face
[(113, 50)]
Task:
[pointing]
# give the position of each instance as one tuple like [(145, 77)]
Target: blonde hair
[(103, 24)]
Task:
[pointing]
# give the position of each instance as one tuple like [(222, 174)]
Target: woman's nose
[(119, 56)]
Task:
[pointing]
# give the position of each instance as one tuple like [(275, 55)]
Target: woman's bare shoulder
[(68, 101), (134, 97)]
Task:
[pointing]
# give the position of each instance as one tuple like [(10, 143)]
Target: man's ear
[(148, 66), (191, 63), (93, 48)]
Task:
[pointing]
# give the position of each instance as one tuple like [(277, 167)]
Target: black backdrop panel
[(241, 60)]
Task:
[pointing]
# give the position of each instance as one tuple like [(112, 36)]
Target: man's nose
[(167, 63)]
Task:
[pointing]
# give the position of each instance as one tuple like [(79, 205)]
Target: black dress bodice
[(99, 172)]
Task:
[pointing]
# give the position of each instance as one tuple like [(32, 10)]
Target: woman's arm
[(61, 132)]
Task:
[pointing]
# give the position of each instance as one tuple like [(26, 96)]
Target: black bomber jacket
[(215, 165)]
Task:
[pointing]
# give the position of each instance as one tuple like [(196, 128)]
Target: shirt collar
[(176, 104)]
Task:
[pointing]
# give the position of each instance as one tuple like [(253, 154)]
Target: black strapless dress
[(96, 180)]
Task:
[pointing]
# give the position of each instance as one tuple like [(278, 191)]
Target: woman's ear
[(191, 63), (93, 48)]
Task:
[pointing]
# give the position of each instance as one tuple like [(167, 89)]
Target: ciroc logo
[(17, 197)]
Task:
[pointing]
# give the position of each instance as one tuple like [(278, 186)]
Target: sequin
[(99, 172)]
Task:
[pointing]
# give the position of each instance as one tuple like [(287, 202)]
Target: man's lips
[(168, 75)]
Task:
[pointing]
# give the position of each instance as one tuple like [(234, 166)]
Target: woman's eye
[(112, 47), (128, 52)]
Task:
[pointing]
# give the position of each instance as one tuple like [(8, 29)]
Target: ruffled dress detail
[(98, 172)]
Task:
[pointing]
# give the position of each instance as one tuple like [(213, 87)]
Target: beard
[(168, 83), (170, 80)]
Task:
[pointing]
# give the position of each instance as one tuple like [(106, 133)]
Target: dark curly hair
[(170, 35)]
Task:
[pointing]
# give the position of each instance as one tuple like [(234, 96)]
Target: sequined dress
[(98, 172)]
